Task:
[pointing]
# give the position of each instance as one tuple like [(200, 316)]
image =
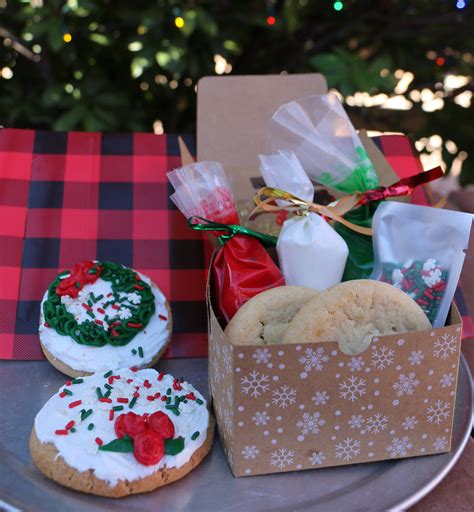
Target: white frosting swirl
[(97, 359), (80, 449)]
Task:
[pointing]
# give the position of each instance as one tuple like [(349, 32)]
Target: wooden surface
[(456, 492)]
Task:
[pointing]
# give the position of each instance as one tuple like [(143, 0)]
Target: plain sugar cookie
[(123, 432), (264, 318), (102, 315), (353, 312)]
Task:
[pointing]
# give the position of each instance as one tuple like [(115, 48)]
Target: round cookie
[(128, 442), (353, 312), (102, 315), (264, 318)]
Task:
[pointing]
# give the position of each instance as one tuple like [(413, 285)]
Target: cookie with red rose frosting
[(122, 432), (102, 315)]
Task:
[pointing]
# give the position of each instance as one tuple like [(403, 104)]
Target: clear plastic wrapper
[(421, 250), (242, 267), (310, 252), (319, 132)]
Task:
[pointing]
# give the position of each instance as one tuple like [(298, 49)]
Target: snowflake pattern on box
[(311, 406), (314, 359)]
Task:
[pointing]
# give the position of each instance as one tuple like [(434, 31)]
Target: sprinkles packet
[(421, 250)]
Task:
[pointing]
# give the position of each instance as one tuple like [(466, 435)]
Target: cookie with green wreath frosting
[(102, 315)]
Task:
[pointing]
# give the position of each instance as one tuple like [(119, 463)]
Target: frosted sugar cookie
[(102, 315)]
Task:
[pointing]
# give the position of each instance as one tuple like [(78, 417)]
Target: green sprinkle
[(98, 392), (90, 426), (77, 381), (173, 409), (133, 401), (90, 314), (107, 394), (72, 429), (78, 284), (195, 435), (199, 401), (69, 393), (168, 400), (118, 408), (134, 352), (92, 296), (140, 351), (85, 414), (168, 391), (108, 386), (108, 374), (100, 297), (106, 318), (89, 302)]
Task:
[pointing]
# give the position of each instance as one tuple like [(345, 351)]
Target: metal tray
[(388, 485)]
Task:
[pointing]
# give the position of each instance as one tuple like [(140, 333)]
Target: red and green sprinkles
[(91, 332), (424, 281)]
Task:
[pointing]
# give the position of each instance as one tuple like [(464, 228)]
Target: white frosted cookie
[(102, 315), (122, 432), (264, 318), (353, 312)]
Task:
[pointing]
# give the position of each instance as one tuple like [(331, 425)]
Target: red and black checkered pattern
[(67, 197)]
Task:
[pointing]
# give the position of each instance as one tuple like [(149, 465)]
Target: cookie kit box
[(289, 407)]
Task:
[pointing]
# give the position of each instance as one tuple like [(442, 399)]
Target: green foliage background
[(116, 72)]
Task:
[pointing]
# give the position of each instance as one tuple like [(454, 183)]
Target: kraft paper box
[(307, 405)]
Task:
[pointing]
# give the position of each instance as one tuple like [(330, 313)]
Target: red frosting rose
[(80, 276), (148, 447), (130, 424), (161, 424)]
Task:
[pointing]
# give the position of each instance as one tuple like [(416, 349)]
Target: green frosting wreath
[(91, 332)]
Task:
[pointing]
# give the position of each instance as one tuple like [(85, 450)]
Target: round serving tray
[(388, 485)]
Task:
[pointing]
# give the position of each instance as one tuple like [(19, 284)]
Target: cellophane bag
[(318, 130), (242, 267), (310, 252), (421, 250), (321, 135)]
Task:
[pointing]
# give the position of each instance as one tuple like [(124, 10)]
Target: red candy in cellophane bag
[(242, 268)]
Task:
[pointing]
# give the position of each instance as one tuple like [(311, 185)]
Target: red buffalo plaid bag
[(68, 197)]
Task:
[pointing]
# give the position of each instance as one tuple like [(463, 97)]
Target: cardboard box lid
[(233, 113)]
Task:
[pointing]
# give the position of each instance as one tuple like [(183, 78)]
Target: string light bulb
[(179, 21), (440, 61), (338, 6), (271, 20), (67, 37), (460, 4)]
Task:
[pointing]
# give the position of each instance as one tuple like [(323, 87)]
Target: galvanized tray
[(387, 485)]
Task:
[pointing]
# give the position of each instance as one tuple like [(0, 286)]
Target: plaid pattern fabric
[(67, 197)]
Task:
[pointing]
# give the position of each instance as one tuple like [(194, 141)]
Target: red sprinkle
[(111, 414), (70, 425), (136, 326), (116, 323), (114, 333), (160, 376), (138, 287), (101, 311), (62, 394), (136, 394), (157, 395), (109, 295), (190, 396), (137, 277), (163, 398), (134, 369), (46, 324), (150, 398), (147, 383), (122, 400), (106, 400), (99, 322), (129, 380), (163, 317), (61, 432), (68, 383), (114, 306), (86, 306), (75, 404), (111, 379), (99, 441)]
